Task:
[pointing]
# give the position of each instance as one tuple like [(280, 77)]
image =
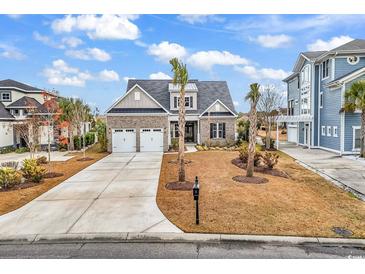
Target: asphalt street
[(179, 251)]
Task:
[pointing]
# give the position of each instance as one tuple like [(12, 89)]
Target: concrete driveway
[(116, 194), (348, 172)]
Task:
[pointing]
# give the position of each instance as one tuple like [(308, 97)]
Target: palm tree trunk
[(181, 156), (267, 135), (70, 136), (362, 135), (252, 141)]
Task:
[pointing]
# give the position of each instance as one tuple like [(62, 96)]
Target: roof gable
[(4, 113), (8, 83)]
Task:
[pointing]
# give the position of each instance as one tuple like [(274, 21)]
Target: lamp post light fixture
[(196, 199)]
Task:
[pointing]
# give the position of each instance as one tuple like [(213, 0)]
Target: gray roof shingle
[(343, 76), (208, 93), (313, 54), (28, 102), (16, 84), (4, 113), (357, 44)]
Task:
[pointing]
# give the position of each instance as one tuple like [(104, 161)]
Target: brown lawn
[(304, 205), (282, 137), (13, 199)]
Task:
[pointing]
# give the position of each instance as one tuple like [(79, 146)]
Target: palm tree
[(355, 100), (253, 97), (181, 78)]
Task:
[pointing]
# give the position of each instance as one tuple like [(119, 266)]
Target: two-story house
[(16, 99), (145, 118), (315, 94)]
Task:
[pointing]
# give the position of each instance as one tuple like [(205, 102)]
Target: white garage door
[(292, 133), (124, 140), (151, 139)]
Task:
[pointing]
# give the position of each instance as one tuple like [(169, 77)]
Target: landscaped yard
[(13, 199), (303, 205)]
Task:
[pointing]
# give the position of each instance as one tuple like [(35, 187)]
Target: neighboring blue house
[(316, 88)]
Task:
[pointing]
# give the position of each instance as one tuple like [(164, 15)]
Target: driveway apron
[(115, 194)]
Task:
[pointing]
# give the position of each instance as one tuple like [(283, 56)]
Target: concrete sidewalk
[(19, 157), (345, 172), (116, 194)]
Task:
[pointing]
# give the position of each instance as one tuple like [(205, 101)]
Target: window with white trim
[(137, 95), (321, 100), (356, 140), (323, 130), (218, 130), (353, 60), (329, 130), (188, 102), (325, 69), (335, 131), (5, 96)]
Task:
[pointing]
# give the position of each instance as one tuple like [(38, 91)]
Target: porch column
[(298, 132), (198, 132), (277, 134), (309, 135), (168, 133)]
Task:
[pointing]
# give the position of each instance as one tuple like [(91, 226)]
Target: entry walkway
[(116, 194), (348, 172)]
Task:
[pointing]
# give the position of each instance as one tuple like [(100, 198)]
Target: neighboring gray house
[(316, 88), (145, 118)]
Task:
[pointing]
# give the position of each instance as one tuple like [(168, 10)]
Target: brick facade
[(137, 122), (205, 130)]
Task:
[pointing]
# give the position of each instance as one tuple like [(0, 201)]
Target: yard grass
[(13, 199), (303, 205)]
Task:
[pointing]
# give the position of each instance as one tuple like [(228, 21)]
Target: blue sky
[(92, 56)]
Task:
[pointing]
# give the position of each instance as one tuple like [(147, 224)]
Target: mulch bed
[(52, 175), (261, 169), (186, 186), (250, 180), (26, 184), (85, 159)]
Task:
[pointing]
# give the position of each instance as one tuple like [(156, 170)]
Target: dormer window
[(188, 102), (325, 69), (353, 60), (5, 96)]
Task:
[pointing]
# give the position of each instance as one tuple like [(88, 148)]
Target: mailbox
[(196, 189)]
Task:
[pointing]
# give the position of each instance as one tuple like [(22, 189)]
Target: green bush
[(7, 149), (270, 159), (78, 142), (101, 132), (89, 138), (9, 177), (175, 143), (12, 164), (22, 150), (42, 160), (243, 154), (32, 171)]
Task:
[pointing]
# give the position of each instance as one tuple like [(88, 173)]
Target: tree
[(270, 101), (101, 131), (51, 118), (253, 97), (355, 100), (81, 115), (181, 78), (67, 119)]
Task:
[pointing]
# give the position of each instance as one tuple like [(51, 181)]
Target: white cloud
[(60, 73), (89, 54), (72, 42), (108, 75), (166, 51), (207, 59), (200, 18), (11, 52), (273, 41), (113, 27), (262, 73), (47, 40), (159, 76), (126, 78), (334, 42), (236, 103)]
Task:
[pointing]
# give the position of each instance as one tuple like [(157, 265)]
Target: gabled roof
[(28, 102), (4, 113), (311, 55), (12, 83), (357, 44), (347, 77), (208, 93)]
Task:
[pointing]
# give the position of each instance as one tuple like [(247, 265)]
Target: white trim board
[(235, 115)]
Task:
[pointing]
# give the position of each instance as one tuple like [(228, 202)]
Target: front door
[(189, 132)]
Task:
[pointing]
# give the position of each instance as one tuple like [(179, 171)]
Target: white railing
[(294, 118)]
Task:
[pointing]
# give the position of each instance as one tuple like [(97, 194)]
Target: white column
[(277, 135), (168, 133), (198, 133), (309, 135)]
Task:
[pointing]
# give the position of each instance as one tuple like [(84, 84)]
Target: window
[(329, 130), (356, 138), (298, 82), (174, 130), (15, 112), (323, 130), (137, 95), (290, 108), (325, 70), (353, 60), (321, 100), (335, 131), (176, 101), (188, 101), (296, 101), (5, 96), (217, 130)]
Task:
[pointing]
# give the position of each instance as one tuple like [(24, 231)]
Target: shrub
[(101, 132), (11, 164), (270, 159), (78, 142), (175, 143), (22, 150), (32, 171), (42, 160), (243, 154), (9, 177), (89, 138), (7, 149)]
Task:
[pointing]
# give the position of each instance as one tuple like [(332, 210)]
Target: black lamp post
[(196, 199)]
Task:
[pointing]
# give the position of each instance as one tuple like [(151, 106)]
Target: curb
[(172, 238)]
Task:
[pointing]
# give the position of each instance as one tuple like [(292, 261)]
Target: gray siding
[(130, 102), (294, 94), (351, 119), (315, 98), (301, 132), (342, 67)]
